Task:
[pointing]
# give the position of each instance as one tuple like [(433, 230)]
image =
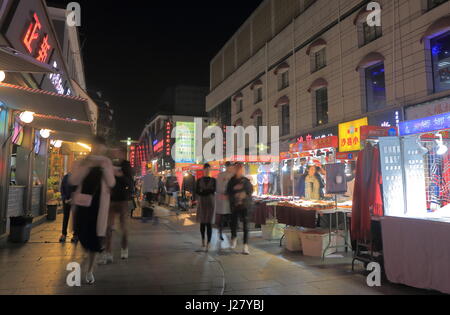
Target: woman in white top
[(222, 201)]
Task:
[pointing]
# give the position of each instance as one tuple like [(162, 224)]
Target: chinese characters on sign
[(185, 142), (350, 135), (425, 125), (34, 37)]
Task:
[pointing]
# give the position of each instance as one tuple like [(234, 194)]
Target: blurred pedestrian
[(240, 192), (66, 195), (94, 178), (206, 188), (121, 196), (222, 200)]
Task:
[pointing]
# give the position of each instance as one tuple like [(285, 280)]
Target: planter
[(51, 212), (20, 229)]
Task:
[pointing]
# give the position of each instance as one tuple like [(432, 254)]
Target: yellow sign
[(350, 135)]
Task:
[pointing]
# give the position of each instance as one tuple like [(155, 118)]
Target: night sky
[(133, 50)]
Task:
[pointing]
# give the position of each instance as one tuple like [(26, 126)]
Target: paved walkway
[(163, 260)]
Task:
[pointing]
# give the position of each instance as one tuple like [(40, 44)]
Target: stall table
[(417, 252)]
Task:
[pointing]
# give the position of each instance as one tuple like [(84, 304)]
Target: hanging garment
[(367, 197)]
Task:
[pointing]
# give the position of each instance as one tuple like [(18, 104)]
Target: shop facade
[(45, 124)]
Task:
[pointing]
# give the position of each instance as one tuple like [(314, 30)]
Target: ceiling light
[(27, 117), (45, 133)]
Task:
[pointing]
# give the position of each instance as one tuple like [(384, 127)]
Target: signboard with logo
[(371, 132), (424, 125), (387, 119), (350, 135), (30, 32), (317, 144), (185, 142)]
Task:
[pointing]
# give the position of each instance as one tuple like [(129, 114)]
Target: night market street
[(163, 261)]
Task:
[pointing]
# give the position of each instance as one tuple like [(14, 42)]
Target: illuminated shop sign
[(185, 142), (424, 125), (158, 147), (350, 135), (35, 37)]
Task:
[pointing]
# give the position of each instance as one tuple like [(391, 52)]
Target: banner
[(350, 135)]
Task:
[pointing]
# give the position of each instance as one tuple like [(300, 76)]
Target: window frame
[(285, 125), (239, 106), (258, 94), (315, 59), (434, 64), (282, 83), (366, 88), (365, 40), (325, 119)]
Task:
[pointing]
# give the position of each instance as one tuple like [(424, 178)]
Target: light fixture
[(57, 143), (85, 146), (26, 117), (441, 147), (45, 133), (2, 76)]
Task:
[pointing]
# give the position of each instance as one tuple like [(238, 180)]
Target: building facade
[(46, 117), (309, 65)]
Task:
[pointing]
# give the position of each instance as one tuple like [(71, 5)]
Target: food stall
[(416, 193)]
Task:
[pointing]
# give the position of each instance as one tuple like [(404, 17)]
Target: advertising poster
[(350, 135), (185, 142)]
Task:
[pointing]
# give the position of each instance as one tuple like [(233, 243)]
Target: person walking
[(240, 191), (66, 194), (206, 188), (222, 200), (94, 178), (121, 196)]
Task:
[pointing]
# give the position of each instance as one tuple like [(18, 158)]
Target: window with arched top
[(238, 100), (437, 39), (372, 72), (257, 88), (282, 72), (319, 92), (318, 54), (284, 111)]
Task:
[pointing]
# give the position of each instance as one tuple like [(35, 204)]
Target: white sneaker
[(233, 243), (90, 278), (246, 251), (124, 253), (106, 259)]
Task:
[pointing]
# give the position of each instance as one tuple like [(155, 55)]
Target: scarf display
[(367, 197)]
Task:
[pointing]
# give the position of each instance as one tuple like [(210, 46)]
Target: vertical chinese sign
[(185, 143)]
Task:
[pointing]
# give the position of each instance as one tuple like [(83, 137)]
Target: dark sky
[(135, 49)]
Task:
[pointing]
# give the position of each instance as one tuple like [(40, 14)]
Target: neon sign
[(159, 146), (56, 80), (32, 35)]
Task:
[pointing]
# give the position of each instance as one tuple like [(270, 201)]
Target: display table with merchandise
[(305, 214), (417, 252)]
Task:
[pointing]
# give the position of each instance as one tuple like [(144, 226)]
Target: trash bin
[(20, 229), (52, 210)]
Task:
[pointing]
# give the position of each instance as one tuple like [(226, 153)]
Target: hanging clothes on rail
[(367, 197)]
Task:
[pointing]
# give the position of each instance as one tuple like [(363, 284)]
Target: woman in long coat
[(206, 189)]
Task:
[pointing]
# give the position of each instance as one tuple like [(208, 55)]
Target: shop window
[(285, 120), (371, 33), (375, 87), (435, 3), (283, 80), (319, 60), (321, 106), (440, 50)]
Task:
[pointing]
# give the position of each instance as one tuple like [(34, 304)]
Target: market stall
[(416, 192)]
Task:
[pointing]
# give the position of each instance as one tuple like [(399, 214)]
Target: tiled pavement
[(163, 260)]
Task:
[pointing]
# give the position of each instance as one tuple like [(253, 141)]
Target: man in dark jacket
[(240, 191), (66, 196)]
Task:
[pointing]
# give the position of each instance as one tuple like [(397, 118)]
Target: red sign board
[(34, 36), (322, 143), (368, 132)]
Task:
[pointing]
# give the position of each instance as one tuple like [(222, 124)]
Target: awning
[(439, 27), (257, 83), (258, 112), (371, 59), (67, 126), (282, 101), (283, 67), (43, 102), (12, 60), (316, 46), (317, 84)]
